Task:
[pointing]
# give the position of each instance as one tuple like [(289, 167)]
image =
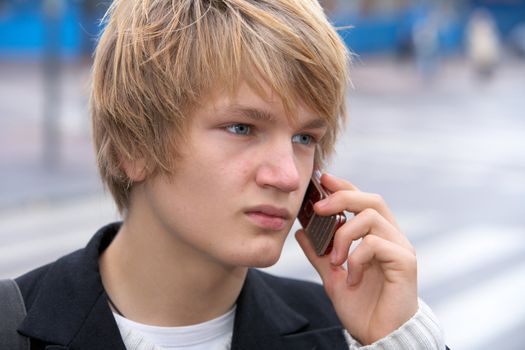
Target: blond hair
[(156, 60)]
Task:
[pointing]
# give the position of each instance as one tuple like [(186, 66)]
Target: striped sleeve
[(422, 331)]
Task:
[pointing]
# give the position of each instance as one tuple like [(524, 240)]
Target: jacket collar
[(71, 310), (264, 320)]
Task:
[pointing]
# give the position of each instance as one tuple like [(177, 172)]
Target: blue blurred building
[(389, 25), (28, 27)]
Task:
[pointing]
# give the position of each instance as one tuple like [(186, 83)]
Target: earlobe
[(135, 169)]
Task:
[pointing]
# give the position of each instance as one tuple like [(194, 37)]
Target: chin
[(263, 263), (261, 257)]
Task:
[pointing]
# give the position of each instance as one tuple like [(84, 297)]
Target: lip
[(268, 217)]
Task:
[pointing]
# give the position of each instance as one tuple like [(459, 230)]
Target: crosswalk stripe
[(38, 234), (456, 253), (20, 222), (479, 314)]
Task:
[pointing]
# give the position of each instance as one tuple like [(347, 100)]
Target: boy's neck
[(153, 280)]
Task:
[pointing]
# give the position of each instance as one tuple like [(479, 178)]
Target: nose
[(279, 170)]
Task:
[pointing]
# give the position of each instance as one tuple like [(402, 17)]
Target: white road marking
[(479, 314)]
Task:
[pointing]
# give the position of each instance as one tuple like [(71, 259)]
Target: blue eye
[(303, 139), (239, 129)]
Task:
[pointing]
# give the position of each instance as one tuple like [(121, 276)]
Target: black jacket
[(67, 308)]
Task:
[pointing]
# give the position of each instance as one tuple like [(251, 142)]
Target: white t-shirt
[(210, 335)]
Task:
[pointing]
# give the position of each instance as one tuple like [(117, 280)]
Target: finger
[(355, 202), (334, 184), (395, 262), (329, 273), (368, 222)]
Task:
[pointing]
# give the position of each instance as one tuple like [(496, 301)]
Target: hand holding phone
[(319, 229), (377, 280)]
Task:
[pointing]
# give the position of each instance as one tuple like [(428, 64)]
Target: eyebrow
[(261, 114), (250, 112)]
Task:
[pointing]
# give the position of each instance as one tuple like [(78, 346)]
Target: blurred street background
[(437, 127)]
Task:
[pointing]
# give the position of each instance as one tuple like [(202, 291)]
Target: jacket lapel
[(70, 310), (264, 321), (99, 330)]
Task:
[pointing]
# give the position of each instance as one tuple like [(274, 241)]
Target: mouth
[(268, 217)]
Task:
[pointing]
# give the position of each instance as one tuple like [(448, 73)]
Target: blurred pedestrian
[(483, 44), (425, 36), (209, 118)]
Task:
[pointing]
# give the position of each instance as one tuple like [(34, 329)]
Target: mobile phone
[(319, 229)]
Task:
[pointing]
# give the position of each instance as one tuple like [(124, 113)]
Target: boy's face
[(238, 186)]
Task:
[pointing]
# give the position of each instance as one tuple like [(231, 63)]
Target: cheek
[(245, 168), (306, 168), (213, 183), (235, 172)]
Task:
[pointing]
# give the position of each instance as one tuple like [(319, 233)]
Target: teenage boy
[(209, 117)]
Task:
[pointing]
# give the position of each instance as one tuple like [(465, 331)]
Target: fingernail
[(322, 203)]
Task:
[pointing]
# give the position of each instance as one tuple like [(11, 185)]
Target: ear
[(135, 169)]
